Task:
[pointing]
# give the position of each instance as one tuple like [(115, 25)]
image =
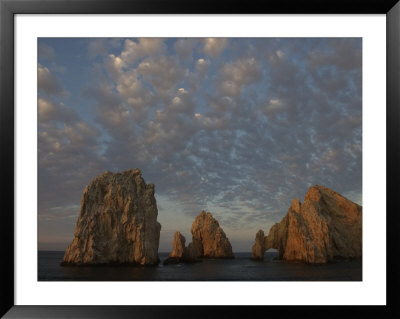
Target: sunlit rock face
[(209, 239), (258, 248), (327, 226), (178, 246), (117, 223)]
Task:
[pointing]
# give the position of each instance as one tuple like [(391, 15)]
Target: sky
[(238, 127)]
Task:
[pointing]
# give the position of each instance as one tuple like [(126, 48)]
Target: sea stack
[(327, 226), (209, 239), (117, 223), (258, 249), (180, 253)]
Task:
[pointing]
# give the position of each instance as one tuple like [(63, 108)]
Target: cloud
[(277, 57), (134, 50), (238, 127), (182, 102), (214, 46), (49, 83), (46, 109), (210, 122), (202, 66), (341, 53), (113, 65), (234, 76), (65, 142), (163, 73), (184, 47), (54, 112), (275, 106)]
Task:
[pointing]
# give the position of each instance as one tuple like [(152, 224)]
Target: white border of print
[(371, 290)]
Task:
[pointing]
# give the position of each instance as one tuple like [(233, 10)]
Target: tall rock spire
[(117, 223)]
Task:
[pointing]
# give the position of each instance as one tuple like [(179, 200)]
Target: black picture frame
[(8, 9)]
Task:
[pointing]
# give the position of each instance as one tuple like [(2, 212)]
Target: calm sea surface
[(239, 269)]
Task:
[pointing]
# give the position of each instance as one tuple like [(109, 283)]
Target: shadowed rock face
[(180, 253), (208, 238), (327, 226), (117, 223)]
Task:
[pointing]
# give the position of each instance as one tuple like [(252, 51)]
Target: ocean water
[(242, 268)]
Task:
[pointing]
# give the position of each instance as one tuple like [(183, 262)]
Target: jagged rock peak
[(209, 239), (325, 227), (316, 192), (296, 205), (117, 223)]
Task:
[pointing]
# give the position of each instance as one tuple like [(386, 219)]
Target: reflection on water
[(242, 268)]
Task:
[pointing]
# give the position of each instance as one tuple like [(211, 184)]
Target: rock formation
[(208, 241), (180, 253), (258, 249), (117, 223), (327, 226), (208, 238)]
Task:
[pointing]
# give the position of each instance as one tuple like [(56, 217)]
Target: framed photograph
[(166, 160)]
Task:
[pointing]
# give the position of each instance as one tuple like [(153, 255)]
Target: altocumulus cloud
[(239, 127)]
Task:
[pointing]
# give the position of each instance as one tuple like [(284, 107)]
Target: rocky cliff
[(327, 226), (209, 239), (117, 223)]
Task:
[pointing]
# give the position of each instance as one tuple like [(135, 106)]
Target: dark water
[(239, 269)]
